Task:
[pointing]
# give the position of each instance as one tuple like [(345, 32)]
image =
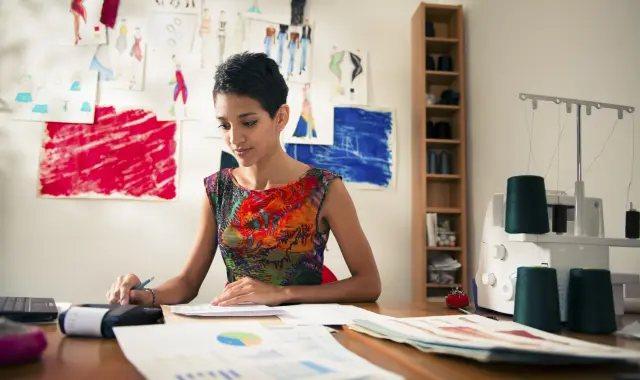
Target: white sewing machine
[(501, 253)]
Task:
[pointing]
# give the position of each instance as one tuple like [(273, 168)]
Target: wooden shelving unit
[(443, 192)]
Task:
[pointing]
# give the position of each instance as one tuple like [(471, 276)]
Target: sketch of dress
[(306, 127), (269, 39), (336, 61), (357, 69), (282, 37), (255, 8), (102, 64), (136, 49), (121, 43), (221, 37), (24, 96), (239, 34), (180, 88)]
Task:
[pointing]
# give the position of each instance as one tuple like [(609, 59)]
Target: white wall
[(73, 249)]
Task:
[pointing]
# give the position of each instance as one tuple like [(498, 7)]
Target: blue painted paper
[(362, 151)]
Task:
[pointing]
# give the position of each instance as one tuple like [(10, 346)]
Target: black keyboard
[(14, 304)]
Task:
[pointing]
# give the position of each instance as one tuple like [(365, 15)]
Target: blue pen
[(141, 286)]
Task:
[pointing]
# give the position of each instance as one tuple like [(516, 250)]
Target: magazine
[(483, 339)]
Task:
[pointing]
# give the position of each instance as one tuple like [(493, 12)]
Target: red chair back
[(328, 276)]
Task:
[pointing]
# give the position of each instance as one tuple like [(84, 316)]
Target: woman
[(271, 217)]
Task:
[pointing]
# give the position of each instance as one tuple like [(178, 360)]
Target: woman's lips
[(242, 152)]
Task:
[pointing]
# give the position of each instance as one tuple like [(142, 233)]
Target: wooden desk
[(79, 358)]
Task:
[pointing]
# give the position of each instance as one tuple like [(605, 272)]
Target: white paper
[(66, 96), (310, 119), (240, 350), (128, 46), (348, 73), (208, 310), (173, 32), (325, 314), (82, 24), (84, 321)]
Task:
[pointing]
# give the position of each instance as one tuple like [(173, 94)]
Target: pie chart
[(239, 338)]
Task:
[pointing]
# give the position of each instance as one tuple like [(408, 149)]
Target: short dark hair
[(254, 75)]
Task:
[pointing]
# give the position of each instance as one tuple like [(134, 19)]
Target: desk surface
[(79, 358)]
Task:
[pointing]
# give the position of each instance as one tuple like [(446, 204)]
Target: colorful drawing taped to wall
[(310, 120), (289, 45), (83, 26), (178, 6), (127, 51), (173, 32), (125, 154), (57, 96), (363, 151), (347, 70), (180, 90)]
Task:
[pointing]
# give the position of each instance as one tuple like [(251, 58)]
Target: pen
[(141, 286)]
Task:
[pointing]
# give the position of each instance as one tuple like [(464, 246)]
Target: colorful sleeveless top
[(272, 235)]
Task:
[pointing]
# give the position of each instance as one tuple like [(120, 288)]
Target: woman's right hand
[(121, 292)]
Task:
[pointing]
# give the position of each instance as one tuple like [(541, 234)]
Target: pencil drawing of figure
[(305, 41), (136, 49), (193, 4), (205, 29), (121, 43), (180, 88), (269, 39), (356, 60), (240, 33), (293, 48), (222, 36), (79, 12), (282, 37)]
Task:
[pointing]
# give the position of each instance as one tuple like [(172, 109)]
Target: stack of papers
[(483, 339), (208, 310), (324, 314), (246, 350)]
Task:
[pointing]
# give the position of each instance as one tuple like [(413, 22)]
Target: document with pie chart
[(241, 350)]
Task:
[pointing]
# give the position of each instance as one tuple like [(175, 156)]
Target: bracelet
[(153, 296)]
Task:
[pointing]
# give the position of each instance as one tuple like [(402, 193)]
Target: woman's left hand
[(248, 290)]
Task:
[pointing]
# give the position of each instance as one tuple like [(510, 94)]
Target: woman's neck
[(273, 170)]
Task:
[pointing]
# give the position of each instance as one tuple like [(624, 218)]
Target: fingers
[(119, 291), (139, 297), (231, 293), (238, 300)]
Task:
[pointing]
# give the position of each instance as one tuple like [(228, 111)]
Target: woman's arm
[(363, 285), (185, 286)]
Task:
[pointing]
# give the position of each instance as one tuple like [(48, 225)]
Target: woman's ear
[(282, 117)]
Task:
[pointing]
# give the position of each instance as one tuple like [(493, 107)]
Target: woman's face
[(247, 128)]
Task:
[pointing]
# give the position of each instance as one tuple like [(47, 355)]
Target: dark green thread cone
[(590, 306), (526, 205), (537, 302)]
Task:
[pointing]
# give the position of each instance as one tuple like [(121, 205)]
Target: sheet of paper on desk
[(207, 310), (324, 314), (483, 339), (245, 350)]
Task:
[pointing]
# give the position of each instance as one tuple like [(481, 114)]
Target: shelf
[(440, 45), (442, 143), (444, 210), (435, 285), (430, 248), (443, 177), (445, 78), (552, 238), (437, 110)]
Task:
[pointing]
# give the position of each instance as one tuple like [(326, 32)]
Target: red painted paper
[(128, 154)]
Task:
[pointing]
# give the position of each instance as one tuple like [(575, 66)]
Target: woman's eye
[(250, 123), (225, 127)]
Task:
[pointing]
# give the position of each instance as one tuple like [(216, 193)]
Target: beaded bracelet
[(153, 296)]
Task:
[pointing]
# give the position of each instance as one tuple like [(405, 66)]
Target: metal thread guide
[(579, 184)]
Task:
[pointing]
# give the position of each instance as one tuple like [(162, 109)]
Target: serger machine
[(579, 243)]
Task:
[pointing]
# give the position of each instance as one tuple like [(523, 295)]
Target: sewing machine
[(501, 253)]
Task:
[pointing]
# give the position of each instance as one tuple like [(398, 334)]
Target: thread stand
[(579, 184)]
